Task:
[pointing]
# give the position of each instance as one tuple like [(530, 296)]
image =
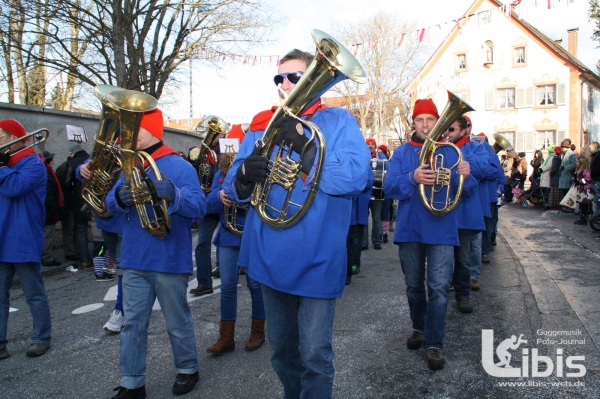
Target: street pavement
[(542, 286)]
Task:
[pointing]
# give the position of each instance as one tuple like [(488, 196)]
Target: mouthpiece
[(425, 131)]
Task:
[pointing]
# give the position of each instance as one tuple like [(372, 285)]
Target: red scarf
[(262, 119), (160, 152), (462, 141), (16, 157)]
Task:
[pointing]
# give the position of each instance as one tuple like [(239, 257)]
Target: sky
[(236, 91)]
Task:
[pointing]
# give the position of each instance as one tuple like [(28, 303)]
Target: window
[(545, 137), (461, 62), (520, 56), (505, 98), (489, 52), (546, 95)]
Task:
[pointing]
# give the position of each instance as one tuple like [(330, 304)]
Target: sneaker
[(184, 383), (475, 284), (485, 258), (435, 358), (36, 350), (415, 340), (105, 277), (216, 273), (4, 353), (109, 270), (201, 290), (115, 324), (464, 305), (135, 393), (355, 269)]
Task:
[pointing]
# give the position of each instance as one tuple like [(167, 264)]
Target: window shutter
[(560, 94), (560, 136), (529, 96), (489, 100), (519, 141), (529, 141), (524, 97)]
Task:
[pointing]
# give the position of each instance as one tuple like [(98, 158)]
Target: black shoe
[(415, 340), (580, 221), (105, 277), (201, 291), (242, 271), (73, 257), (4, 353), (36, 350), (355, 269), (216, 273), (52, 262), (485, 259), (364, 248), (464, 305), (185, 383), (377, 246), (135, 393), (385, 238), (435, 358)]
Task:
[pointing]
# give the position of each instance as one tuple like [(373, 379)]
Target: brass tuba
[(207, 158), (501, 143), (104, 163), (443, 174), (132, 105), (332, 64)]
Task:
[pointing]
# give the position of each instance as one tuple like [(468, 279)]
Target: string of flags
[(483, 17)]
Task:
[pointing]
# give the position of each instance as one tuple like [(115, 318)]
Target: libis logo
[(532, 364)]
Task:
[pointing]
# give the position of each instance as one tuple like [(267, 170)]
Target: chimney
[(572, 40)]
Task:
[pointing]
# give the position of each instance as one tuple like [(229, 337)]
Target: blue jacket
[(470, 210), (172, 254), (360, 203), (414, 223), (223, 237), (22, 210), (308, 258)]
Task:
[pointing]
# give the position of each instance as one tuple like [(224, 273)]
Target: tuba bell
[(104, 163), (333, 63), (207, 158), (152, 211), (443, 173), (501, 143)]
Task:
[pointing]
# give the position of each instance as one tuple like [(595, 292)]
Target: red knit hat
[(468, 120), (236, 132), (371, 140), (13, 127), (153, 122), (425, 106), (383, 148)]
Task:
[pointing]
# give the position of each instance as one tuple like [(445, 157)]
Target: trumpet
[(37, 136), (443, 173)]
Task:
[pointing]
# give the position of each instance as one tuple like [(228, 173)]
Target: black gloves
[(125, 195), (292, 133), (254, 169), (4, 158)]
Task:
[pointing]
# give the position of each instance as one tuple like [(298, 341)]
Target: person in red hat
[(158, 267), (426, 242), (23, 180), (376, 202)]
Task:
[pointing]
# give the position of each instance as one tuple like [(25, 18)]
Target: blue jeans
[(375, 208), (206, 228), (475, 256), (34, 290), (140, 289), (427, 309), (300, 332), (461, 277), (230, 275)]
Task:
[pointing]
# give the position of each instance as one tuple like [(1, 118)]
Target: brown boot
[(257, 335), (226, 340)]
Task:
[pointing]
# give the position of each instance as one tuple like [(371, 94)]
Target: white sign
[(228, 146), (76, 133)]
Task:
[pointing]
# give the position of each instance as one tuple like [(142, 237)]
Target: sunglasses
[(452, 129), (293, 77), (565, 146)]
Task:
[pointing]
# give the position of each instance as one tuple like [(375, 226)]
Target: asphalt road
[(543, 283)]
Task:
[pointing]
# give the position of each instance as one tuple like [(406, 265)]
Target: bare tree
[(388, 53), (134, 44)]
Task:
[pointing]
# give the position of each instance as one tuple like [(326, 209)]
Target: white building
[(522, 84)]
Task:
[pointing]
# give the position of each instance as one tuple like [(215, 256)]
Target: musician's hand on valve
[(292, 133), (4, 158), (424, 175), (84, 171), (125, 195), (254, 169), (165, 189), (463, 168), (224, 198)]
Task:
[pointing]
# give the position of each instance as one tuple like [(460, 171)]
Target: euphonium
[(104, 163), (443, 174), (131, 105), (232, 214), (332, 64), (207, 158)]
